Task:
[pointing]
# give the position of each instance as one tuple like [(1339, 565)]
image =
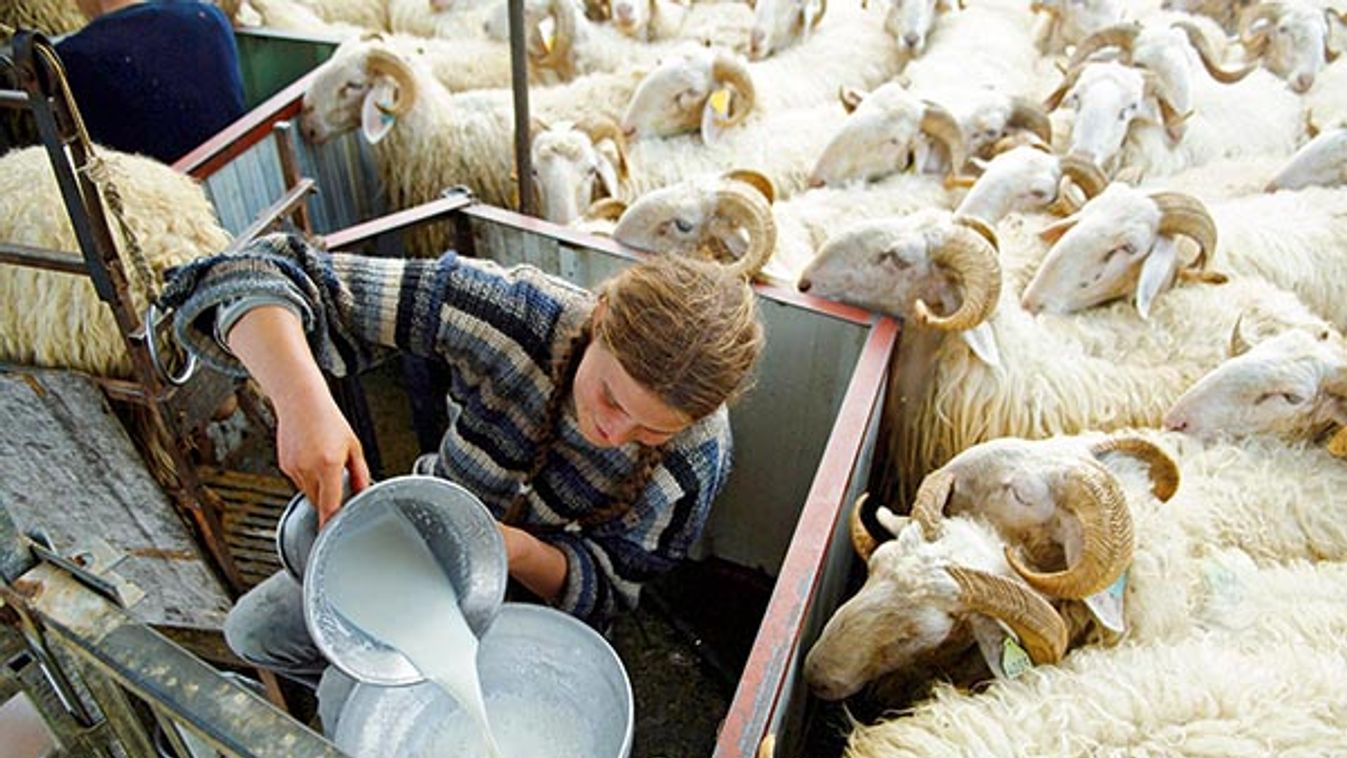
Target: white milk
[(384, 579), (526, 725)]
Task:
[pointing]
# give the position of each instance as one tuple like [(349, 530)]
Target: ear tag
[(1014, 660), (547, 29), (720, 104), (375, 120), (1337, 446), (1107, 605)]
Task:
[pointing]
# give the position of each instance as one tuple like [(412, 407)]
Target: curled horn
[(384, 63), (605, 209), (1122, 36), (1027, 114), (971, 257), (1095, 497), (1054, 100), (750, 209), (558, 58), (822, 11), (941, 125), (928, 508), (732, 71), (1255, 42), (1083, 173), (1238, 344), (861, 540), (603, 129), (1186, 215), (756, 179), (1330, 18), (1032, 618), (1163, 470), (1202, 45)]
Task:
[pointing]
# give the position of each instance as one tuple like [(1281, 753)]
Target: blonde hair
[(684, 329)]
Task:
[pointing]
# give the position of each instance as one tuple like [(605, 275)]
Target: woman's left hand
[(533, 563)]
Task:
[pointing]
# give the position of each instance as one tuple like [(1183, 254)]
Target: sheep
[(928, 599), (49, 16), (1322, 161), (1292, 38), (1201, 696), (1226, 13), (1100, 369), (1118, 109), (56, 320), (1070, 22), (365, 14), (1115, 247), (727, 25), (910, 23), (290, 16), (455, 19), (779, 24), (1292, 385)]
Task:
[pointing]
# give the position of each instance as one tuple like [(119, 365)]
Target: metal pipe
[(519, 80)]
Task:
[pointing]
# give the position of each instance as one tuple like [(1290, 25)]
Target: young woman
[(593, 425)]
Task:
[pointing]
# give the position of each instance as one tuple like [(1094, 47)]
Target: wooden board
[(68, 467)]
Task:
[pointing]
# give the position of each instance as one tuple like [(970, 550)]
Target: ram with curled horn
[(929, 600), (886, 132), (1294, 40)]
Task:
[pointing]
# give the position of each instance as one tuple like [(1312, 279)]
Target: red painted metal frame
[(760, 686)]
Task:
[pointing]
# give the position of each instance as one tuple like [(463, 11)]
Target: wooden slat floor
[(253, 504)]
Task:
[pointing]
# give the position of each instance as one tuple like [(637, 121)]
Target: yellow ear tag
[(1014, 661), (720, 103), (547, 28), (1338, 444)]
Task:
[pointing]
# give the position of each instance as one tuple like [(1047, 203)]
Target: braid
[(646, 462), (563, 375)]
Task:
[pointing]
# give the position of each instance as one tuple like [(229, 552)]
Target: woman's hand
[(533, 563), (314, 442)]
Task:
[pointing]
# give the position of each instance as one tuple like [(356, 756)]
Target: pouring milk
[(385, 580)]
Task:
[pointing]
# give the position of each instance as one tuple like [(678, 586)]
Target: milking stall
[(1041, 453)]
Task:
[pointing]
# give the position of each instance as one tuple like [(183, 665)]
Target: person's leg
[(266, 628)]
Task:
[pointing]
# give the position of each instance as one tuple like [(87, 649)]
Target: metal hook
[(152, 320)]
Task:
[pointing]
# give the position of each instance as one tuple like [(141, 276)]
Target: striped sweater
[(498, 330)]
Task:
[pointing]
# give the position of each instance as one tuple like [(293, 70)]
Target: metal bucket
[(531, 653), (459, 531)]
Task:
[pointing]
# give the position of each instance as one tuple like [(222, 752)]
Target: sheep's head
[(572, 163), (1054, 498), (1293, 39), (1077, 19), (924, 595), (1108, 99), (911, 266), (363, 85), (1293, 385), (882, 134), (633, 17), (726, 218), (1122, 242), (996, 116), (1028, 179), (707, 90), (910, 23), (778, 24), (1322, 161)]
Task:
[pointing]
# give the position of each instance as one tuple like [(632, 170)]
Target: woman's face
[(613, 409)]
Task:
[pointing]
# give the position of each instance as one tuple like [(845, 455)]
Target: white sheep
[(1293, 39), (56, 320), (1292, 385), (51, 17), (727, 25), (1115, 247), (1100, 369), (366, 14), (1067, 23), (1322, 161), (779, 24)]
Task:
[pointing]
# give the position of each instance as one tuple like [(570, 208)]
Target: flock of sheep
[(1117, 234)]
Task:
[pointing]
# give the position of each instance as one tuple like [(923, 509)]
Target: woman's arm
[(535, 564), (314, 442)]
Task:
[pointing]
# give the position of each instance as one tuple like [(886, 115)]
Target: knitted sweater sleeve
[(466, 312)]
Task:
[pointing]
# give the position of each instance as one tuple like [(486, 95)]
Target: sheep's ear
[(715, 114), (1054, 231), (1003, 654), (608, 175), (375, 122), (891, 521), (851, 98), (982, 341), (1157, 273)]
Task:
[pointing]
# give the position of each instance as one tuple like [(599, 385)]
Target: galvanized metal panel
[(780, 428), (66, 463)]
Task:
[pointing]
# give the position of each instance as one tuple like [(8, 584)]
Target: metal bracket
[(92, 566)]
